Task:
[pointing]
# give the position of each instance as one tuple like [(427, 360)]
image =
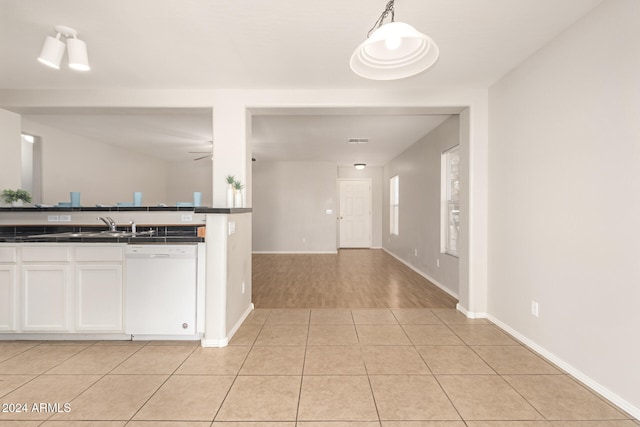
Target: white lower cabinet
[(99, 295), (8, 285), (62, 288), (45, 290), (99, 288), (45, 298)]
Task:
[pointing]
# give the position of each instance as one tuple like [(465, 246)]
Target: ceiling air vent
[(357, 140)]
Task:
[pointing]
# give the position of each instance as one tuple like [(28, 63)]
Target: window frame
[(394, 205), (450, 197)]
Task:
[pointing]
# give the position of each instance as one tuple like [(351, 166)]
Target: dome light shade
[(52, 52), (359, 166), (381, 57), (78, 58)]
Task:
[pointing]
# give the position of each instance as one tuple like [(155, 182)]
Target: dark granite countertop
[(198, 210), (43, 234)]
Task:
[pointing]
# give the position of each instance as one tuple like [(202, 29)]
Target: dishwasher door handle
[(159, 256)]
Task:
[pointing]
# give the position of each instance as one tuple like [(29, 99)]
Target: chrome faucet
[(110, 223)]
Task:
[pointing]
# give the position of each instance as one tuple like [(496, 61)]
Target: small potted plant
[(230, 192), (237, 202), (16, 197)]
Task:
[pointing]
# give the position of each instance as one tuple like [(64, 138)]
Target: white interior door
[(355, 214)]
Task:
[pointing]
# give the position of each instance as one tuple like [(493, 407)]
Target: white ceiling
[(325, 134), (252, 44)]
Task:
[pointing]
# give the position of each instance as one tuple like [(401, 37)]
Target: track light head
[(53, 50)]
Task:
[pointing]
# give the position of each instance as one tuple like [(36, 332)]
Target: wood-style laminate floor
[(354, 278)]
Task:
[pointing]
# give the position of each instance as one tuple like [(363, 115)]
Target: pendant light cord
[(389, 9)]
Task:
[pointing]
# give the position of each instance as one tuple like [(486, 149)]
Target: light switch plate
[(232, 227)]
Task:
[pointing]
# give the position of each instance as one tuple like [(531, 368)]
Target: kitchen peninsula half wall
[(72, 244)]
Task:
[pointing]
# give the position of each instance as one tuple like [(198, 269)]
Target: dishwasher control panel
[(179, 251)]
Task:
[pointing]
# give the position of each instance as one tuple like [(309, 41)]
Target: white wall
[(11, 149), (238, 272), (102, 173), (185, 177), (228, 266), (564, 205), (290, 200), (373, 173), (418, 169)]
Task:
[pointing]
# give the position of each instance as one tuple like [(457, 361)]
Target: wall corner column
[(230, 140)]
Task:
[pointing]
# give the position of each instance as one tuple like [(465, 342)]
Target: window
[(450, 217), (394, 204), (32, 166)]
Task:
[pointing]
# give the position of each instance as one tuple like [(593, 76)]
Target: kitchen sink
[(93, 234)]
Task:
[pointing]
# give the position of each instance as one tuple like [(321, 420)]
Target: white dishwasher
[(160, 289)]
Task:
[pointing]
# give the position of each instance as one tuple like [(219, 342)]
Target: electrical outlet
[(438, 262), (186, 217), (232, 228), (534, 308), (65, 218), (243, 287), (53, 218), (415, 252)]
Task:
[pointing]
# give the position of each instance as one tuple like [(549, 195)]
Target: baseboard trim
[(580, 376), (293, 252), (48, 336), (214, 343), (471, 314), (423, 274), (223, 342), (244, 316)]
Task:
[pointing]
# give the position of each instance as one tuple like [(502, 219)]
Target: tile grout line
[(500, 376), (41, 344), (159, 387), (432, 373), (103, 375), (304, 360), (366, 370), (226, 395)]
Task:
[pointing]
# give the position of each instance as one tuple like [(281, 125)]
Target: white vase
[(230, 194), (237, 201), (17, 203)]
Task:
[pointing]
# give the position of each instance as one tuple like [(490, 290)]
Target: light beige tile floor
[(303, 368)]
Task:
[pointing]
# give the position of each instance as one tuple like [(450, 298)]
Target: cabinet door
[(99, 298), (45, 297), (7, 297)]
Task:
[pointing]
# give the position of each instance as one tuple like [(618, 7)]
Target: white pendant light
[(393, 51), (53, 50)]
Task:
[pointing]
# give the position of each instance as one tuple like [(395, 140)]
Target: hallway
[(354, 278)]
